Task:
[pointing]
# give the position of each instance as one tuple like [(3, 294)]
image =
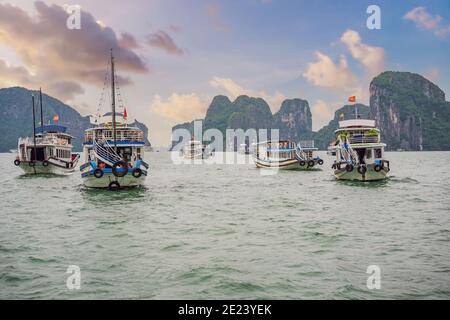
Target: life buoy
[(31, 164), (98, 173), (121, 173), (311, 163), (362, 169), (17, 162), (320, 162), (377, 168), (302, 163), (45, 163), (349, 167), (137, 173), (114, 185)]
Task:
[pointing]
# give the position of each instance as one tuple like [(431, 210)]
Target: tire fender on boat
[(17, 162), (137, 173), (349, 167), (320, 162), (124, 167), (45, 163), (98, 173), (302, 163), (114, 185), (311, 163), (377, 168)]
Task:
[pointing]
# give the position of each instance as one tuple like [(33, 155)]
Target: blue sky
[(320, 51)]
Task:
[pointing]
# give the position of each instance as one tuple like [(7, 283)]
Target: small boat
[(244, 149), (359, 151), (113, 151), (195, 149), (286, 155), (48, 151)]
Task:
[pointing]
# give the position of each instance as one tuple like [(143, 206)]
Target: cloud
[(128, 41), (164, 41), (327, 74), (426, 21), (433, 74), (323, 112), (180, 107), (213, 11), (58, 57), (372, 58), (234, 90)]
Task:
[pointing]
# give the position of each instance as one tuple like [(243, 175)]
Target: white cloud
[(372, 58), (180, 107), (327, 74), (425, 20), (234, 90)]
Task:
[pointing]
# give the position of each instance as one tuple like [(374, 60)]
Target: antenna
[(34, 128), (42, 115), (113, 101)]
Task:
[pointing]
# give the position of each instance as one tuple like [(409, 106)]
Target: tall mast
[(42, 116), (34, 127), (113, 101)]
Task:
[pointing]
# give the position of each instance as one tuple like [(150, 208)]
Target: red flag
[(55, 118), (125, 113), (352, 99)]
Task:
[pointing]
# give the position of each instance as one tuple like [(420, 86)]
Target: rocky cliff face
[(293, 120), (16, 119), (410, 111)]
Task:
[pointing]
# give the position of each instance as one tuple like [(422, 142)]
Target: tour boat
[(48, 151), (195, 149), (113, 151), (359, 151), (286, 155)]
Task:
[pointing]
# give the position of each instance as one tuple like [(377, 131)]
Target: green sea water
[(229, 232)]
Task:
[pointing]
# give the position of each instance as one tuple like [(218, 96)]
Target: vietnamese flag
[(125, 113), (55, 118), (352, 99)]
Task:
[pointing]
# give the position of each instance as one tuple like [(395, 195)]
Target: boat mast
[(113, 101), (42, 116), (34, 126)]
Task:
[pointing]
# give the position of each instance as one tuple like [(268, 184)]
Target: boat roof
[(270, 141), (118, 127), (357, 123)]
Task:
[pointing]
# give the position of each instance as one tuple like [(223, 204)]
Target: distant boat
[(48, 151), (359, 151), (13, 151), (195, 149), (286, 155), (113, 151)]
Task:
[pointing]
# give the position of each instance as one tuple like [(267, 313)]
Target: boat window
[(368, 153)]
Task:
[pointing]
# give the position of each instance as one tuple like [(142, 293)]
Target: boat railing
[(106, 153), (306, 143), (44, 140), (363, 139)]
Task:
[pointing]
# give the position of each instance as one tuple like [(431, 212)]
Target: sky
[(174, 56)]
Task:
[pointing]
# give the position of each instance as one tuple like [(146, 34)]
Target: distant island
[(410, 111), (16, 117)]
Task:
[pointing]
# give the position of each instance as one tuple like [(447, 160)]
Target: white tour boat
[(286, 155), (113, 151), (195, 149), (48, 151), (359, 151)]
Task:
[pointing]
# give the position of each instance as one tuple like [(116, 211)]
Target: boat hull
[(292, 164), (104, 182), (51, 168), (369, 175)]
